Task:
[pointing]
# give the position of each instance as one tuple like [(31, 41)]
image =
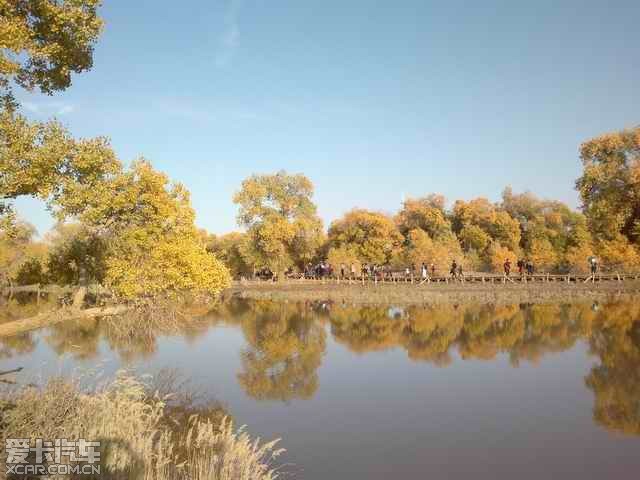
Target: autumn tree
[(497, 255), (427, 213), (45, 41), (553, 235), (148, 224), (469, 218), (74, 252), (227, 248), (610, 191), (14, 243), (421, 248), (43, 161), (373, 236), (283, 228), (610, 184), (346, 255)]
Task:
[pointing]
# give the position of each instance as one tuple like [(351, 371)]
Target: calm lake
[(495, 392)]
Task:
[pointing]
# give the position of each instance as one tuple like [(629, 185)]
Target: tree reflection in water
[(285, 349), (286, 342)]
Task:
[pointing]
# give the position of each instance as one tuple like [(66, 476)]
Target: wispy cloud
[(230, 38), (192, 109), (47, 108), (31, 107), (66, 109)]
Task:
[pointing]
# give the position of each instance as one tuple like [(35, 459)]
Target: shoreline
[(408, 294)]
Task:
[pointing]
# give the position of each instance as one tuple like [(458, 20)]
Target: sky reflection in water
[(526, 391)]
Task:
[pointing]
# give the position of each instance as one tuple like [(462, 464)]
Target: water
[(520, 391)]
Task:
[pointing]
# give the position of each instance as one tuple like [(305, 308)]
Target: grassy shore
[(452, 293), (145, 434)]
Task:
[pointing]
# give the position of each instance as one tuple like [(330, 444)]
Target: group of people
[(525, 267), (427, 270)]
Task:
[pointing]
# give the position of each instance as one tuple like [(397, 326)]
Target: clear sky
[(372, 100)]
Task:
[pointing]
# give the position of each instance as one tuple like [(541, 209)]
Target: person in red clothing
[(507, 267)]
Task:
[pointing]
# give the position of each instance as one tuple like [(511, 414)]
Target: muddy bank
[(52, 317), (408, 294)]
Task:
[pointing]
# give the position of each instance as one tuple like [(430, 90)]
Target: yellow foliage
[(609, 185), (283, 228), (148, 265), (427, 213), (154, 246), (542, 254), (44, 42), (618, 254), (498, 254), (227, 249), (346, 255), (374, 236), (577, 258), (423, 249)]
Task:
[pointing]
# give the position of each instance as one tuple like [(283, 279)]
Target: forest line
[(133, 230)]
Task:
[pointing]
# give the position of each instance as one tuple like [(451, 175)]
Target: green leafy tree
[(227, 248), (75, 251)]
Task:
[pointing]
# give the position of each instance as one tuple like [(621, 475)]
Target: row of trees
[(134, 230), (283, 230)]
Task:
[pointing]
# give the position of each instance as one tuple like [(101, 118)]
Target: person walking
[(424, 272), (593, 265), (353, 271), (507, 267), (454, 269), (529, 267)]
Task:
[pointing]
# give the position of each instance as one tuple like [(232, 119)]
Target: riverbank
[(145, 430), (440, 293)]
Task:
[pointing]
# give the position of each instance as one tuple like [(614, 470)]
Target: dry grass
[(137, 431)]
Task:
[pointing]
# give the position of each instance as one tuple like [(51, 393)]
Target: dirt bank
[(434, 293)]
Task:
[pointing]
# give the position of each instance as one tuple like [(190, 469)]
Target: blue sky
[(374, 101)]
